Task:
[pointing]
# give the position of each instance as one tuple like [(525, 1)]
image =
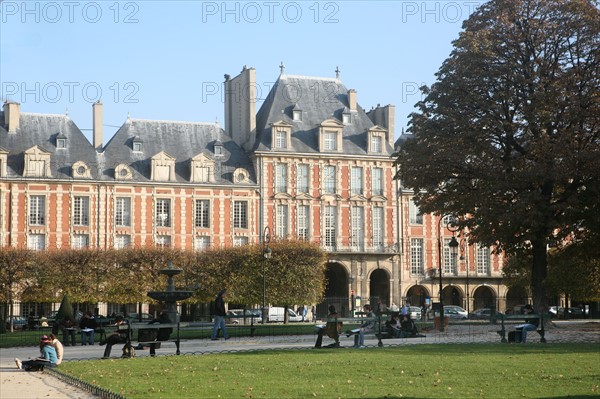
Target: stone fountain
[(170, 296)]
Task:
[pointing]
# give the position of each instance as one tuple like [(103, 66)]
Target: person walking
[(219, 315)]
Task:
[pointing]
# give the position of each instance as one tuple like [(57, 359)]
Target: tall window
[(240, 214), (163, 241), (36, 242), (376, 143), (330, 141), (81, 211), (416, 256), (358, 228), (329, 179), (238, 241), (303, 222), (201, 243), (282, 221), (302, 178), (81, 241), (377, 181), (483, 260), (122, 241), (37, 210), (201, 213), (414, 214), (449, 259), (281, 178), (123, 211), (378, 228), (357, 180), (280, 139), (330, 223), (163, 212)]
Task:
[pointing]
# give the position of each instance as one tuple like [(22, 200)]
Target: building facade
[(310, 164)]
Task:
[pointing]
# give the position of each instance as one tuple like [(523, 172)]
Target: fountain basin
[(170, 296)]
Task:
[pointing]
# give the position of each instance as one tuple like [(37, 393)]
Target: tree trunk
[(538, 275)]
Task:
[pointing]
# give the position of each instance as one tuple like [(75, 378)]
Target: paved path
[(17, 384)]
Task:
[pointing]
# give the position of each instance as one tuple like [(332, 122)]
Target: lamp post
[(464, 255), (266, 257), (453, 244)]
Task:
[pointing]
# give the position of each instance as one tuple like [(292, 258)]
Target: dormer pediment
[(36, 150), (378, 198), (377, 128), (163, 167), (202, 158), (202, 169), (282, 196), (304, 196), (282, 123), (358, 198), (331, 122), (37, 162)]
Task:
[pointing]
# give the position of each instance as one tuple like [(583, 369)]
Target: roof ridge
[(173, 121), (40, 114), (337, 80)]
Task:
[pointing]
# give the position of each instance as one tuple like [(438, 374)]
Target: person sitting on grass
[(48, 357), (333, 328)]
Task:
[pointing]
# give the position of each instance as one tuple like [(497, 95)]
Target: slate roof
[(43, 130), (319, 99), (181, 140)]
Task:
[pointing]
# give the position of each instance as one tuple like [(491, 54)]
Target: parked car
[(18, 322), (236, 316), (146, 317), (455, 312), (415, 312), (572, 313), (276, 314), (481, 314)]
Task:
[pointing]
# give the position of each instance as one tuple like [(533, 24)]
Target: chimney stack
[(12, 114), (385, 117), (352, 99), (97, 128), (240, 107)]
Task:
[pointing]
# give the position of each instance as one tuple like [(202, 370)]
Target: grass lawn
[(412, 371)]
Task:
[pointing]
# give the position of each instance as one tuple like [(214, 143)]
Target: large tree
[(508, 135)]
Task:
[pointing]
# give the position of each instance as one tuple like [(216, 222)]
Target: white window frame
[(239, 241), (123, 211), (163, 207), (302, 178), (36, 242), (330, 140), (201, 243), (376, 143), (378, 227), (240, 214), (80, 241), (202, 213), (282, 217), (281, 180), (329, 179), (483, 260), (281, 139), (358, 228), (330, 227), (450, 261), (414, 214), (81, 211), (163, 241), (37, 210), (122, 241), (377, 181), (416, 257), (356, 183), (303, 216)]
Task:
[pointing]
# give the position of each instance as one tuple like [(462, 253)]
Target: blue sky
[(166, 60)]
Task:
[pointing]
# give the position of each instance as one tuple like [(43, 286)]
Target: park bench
[(521, 318), (147, 334), (379, 331)]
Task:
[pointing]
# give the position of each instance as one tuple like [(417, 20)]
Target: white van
[(276, 314)]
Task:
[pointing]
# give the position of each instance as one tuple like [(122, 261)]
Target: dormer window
[(376, 137), (376, 143), (123, 172), (281, 135), (81, 170), (280, 139), (37, 162), (137, 144), (3, 158), (163, 167), (61, 141), (218, 148), (330, 136), (296, 113), (346, 116), (330, 141), (202, 169)]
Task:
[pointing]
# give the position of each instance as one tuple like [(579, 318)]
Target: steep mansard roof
[(43, 130), (319, 99), (181, 140)]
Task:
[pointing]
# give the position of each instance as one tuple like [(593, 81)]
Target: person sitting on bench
[(408, 328), (333, 329), (530, 325)]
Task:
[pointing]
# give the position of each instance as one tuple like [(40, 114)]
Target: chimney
[(12, 114), (352, 99), (97, 128), (240, 107), (384, 117)]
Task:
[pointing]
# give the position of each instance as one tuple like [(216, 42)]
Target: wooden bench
[(378, 332), (524, 318)]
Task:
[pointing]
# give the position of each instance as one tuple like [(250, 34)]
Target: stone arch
[(484, 297), (453, 295), (379, 287), (417, 295), (337, 291)]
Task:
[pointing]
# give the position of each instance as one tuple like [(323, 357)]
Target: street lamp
[(266, 257), (453, 244), (464, 255)]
